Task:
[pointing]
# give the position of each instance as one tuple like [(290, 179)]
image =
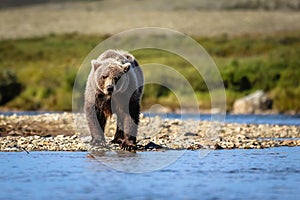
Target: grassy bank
[(41, 71)]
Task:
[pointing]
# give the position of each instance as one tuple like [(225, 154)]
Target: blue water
[(224, 174), (279, 119)]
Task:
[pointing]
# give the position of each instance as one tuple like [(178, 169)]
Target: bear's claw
[(128, 145), (116, 141)]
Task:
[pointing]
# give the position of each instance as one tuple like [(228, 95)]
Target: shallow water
[(279, 119), (224, 174)]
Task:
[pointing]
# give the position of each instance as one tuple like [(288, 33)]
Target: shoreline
[(4, 111), (58, 132)]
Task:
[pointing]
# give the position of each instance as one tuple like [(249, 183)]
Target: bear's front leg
[(99, 140), (131, 123), (96, 126), (119, 135), (129, 142), (126, 132)]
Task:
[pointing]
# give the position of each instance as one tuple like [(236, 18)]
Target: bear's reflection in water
[(135, 162)]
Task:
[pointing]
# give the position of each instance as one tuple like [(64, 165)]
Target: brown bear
[(114, 86)]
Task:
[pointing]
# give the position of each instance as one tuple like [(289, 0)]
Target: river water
[(279, 119), (221, 174)]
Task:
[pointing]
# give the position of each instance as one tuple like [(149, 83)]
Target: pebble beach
[(69, 132)]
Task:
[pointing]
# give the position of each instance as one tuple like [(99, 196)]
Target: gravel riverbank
[(58, 132)]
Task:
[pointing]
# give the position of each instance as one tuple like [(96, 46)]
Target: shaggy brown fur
[(114, 86)]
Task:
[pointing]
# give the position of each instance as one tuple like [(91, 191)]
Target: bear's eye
[(104, 76)]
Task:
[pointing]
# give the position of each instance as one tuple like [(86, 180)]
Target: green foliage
[(9, 86), (46, 67), (286, 98)]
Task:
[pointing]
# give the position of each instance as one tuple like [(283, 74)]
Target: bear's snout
[(110, 89)]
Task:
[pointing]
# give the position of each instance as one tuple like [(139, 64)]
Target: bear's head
[(110, 76)]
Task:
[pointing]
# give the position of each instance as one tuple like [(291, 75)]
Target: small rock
[(218, 147), (190, 134), (152, 145)]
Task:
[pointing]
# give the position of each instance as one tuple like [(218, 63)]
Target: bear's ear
[(95, 64), (126, 67)]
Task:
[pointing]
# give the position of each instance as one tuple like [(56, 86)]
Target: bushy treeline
[(38, 73), (270, 63)]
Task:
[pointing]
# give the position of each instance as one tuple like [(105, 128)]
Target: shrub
[(9, 86)]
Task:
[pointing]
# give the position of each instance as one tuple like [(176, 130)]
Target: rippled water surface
[(221, 174)]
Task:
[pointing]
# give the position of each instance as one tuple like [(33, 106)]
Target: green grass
[(46, 68)]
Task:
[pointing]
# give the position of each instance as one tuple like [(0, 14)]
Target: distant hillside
[(18, 3), (177, 4), (113, 16)]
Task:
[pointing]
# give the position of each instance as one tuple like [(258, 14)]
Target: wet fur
[(99, 106)]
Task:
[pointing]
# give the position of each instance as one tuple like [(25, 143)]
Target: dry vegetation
[(108, 17)]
